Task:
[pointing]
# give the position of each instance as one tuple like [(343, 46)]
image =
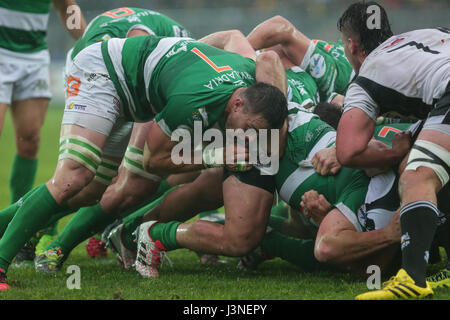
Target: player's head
[(329, 113), (260, 106), (364, 26)]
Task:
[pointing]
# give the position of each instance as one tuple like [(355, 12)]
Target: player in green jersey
[(178, 79), (324, 61), (122, 22), (25, 81)]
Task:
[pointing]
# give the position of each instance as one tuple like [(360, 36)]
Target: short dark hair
[(267, 100), (354, 22), (329, 113)]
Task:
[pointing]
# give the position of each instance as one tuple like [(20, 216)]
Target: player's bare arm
[(339, 242), (278, 30), (158, 152), (353, 149), (231, 40), (65, 11)]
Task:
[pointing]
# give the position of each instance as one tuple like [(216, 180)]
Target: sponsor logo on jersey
[(317, 66), (78, 107), (179, 47)]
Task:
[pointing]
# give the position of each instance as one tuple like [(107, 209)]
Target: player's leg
[(3, 109), (242, 231), (90, 219), (426, 173), (71, 176), (134, 184), (87, 122)]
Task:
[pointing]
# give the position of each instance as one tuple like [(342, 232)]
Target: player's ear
[(353, 46), (238, 104)]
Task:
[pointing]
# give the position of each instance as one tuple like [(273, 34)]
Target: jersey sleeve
[(357, 97)]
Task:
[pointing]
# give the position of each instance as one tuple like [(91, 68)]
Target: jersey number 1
[(208, 61)]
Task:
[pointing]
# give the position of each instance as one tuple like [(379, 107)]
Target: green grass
[(188, 279)]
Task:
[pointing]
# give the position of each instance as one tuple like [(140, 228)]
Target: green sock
[(166, 234), (134, 220), (296, 251), (280, 210), (7, 214), (22, 176), (31, 217), (84, 224), (275, 222)]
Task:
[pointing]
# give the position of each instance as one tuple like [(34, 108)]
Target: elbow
[(268, 57), (324, 251), (279, 21)]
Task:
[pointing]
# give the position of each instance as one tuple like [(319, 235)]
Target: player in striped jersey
[(179, 80), (116, 23), (25, 81), (324, 62), (408, 74)]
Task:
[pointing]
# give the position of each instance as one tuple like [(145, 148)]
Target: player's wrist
[(213, 157)]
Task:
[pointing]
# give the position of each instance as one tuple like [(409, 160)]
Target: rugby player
[(25, 82), (116, 23), (174, 79), (408, 74)]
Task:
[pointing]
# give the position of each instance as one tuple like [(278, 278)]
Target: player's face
[(350, 51), (241, 119)]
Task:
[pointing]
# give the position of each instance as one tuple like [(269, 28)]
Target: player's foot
[(26, 254), (149, 252), (3, 285), (114, 242), (440, 279), (96, 248), (252, 260), (50, 261), (400, 286), (44, 241)]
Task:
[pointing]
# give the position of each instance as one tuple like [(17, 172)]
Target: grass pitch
[(187, 280)]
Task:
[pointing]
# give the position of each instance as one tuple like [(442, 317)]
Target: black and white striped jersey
[(406, 74)]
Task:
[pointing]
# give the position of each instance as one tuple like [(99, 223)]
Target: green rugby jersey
[(23, 25), (302, 88), (178, 79), (307, 135), (117, 23), (327, 64)]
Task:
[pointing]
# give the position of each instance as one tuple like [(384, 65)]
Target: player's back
[(117, 23), (156, 73), (408, 72)]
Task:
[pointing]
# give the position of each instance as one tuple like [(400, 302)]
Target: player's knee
[(239, 246), (28, 144), (418, 179), (70, 181)]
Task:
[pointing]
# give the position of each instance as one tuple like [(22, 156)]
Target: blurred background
[(315, 18)]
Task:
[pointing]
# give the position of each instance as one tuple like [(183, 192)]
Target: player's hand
[(401, 143), (236, 157), (394, 228), (315, 206), (325, 162)]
